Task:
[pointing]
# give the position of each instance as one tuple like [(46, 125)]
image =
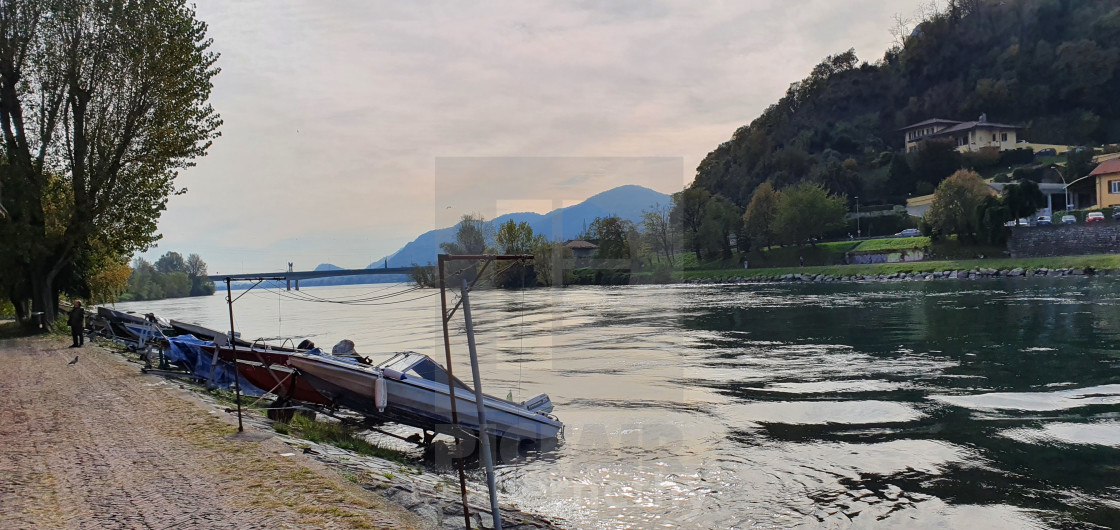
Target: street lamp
[(857, 217), (1065, 186)]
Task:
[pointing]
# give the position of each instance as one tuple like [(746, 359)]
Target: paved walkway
[(98, 445)]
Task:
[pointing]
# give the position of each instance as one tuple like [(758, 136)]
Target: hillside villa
[(1106, 178), (1051, 187), (969, 136), (1099, 189)]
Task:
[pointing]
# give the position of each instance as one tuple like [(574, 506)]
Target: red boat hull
[(263, 368), (291, 386)]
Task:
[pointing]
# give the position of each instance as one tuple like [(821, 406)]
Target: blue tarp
[(187, 351)]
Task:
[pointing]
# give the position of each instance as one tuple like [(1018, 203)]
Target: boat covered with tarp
[(190, 353)]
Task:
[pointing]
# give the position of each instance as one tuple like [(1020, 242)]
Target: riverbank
[(95, 443), (1098, 264), (98, 443)]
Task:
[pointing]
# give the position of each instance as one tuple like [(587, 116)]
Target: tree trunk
[(23, 309), (43, 299)]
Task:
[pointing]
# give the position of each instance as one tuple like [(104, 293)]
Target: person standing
[(77, 323)]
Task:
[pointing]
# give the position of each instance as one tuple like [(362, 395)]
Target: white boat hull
[(422, 403)]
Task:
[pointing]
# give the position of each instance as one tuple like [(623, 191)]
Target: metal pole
[(233, 346), (483, 437), (858, 234), (442, 258)]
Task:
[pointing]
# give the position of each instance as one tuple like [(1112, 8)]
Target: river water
[(944, 404)]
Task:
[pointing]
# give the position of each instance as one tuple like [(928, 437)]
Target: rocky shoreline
[(972, 274)]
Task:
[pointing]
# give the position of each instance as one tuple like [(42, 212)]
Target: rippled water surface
[(984, 404)]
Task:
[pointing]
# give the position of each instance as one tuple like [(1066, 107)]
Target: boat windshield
[(420, 366)]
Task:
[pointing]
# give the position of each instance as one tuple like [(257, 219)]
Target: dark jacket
[(77, 318)]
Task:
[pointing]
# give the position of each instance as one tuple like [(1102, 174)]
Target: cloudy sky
[(337, 114)]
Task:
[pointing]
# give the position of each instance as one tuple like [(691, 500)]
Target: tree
[(194, 266), (142, 283), (424, 275), (470, 237), (992, 214), (660, 231), (101, 103), (196, 272), (688, 213), (721, 219), (108, 282), (956, 204), (175, 285), (935, 160), (548, 261), (170, 277), (807, 212), (614, 235), (758, 221), (171, 262), (1023, 198), (516, 238), (1079, 163)]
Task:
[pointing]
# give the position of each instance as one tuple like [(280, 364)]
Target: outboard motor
[(539, 404)]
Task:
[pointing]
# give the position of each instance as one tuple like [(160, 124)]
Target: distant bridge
[(296, 276)]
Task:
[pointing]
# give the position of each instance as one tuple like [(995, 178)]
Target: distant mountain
[(626, 202), (351, 280)]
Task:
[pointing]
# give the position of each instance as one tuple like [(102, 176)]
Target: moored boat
[(267, 369), (417, 393), (134, 328), (205, 333)]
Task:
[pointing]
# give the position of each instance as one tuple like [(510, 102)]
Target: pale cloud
[(336, 112)]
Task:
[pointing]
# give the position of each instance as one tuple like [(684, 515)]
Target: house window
[(1114, 186), (993, 137), (1003, 137)]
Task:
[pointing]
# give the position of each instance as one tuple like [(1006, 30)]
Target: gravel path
[(98, 445)]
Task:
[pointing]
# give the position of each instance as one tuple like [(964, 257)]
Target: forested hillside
[(1047, 65)]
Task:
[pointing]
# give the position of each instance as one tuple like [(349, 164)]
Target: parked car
[(1043, 220), (1094, 217), (909, 232), (1023, 222), (1116, 213), (1069, 220)]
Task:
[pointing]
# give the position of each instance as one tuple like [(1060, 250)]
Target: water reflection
[(991, 404)]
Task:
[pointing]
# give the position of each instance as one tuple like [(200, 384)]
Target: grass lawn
[(1097, 261), (892, 243)]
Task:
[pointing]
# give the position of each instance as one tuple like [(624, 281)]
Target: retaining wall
[(1064, 240), (898, 256)]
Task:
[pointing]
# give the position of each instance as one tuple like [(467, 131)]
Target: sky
[(347, 123)]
